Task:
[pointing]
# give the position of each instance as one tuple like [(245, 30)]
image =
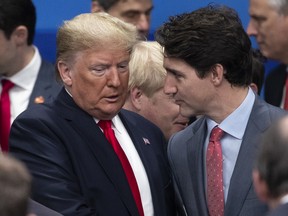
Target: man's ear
[(20, 35), (260, 186), (65, 72), (254, 87), (96, 7), (136, 96), (217, 74)]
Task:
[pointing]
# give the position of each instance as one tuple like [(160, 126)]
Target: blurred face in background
[(270, 28), (162, 110), (136, 12)]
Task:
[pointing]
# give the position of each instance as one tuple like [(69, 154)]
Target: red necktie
[(214, 169), (109, 134), (5, 114), (286, 95)]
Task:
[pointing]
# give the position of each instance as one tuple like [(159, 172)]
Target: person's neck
[(23, 58), (227, 100), (275, 202)]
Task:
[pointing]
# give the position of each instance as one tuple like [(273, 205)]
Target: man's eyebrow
[(137, 11), (131, 12), (173, 71)]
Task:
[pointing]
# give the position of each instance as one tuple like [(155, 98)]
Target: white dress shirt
[(24, 82)]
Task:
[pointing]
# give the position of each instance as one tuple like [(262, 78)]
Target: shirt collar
[(235, 123), (116, 123)]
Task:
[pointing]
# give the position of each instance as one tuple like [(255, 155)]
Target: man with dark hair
[(270, 174), (136, 12), (25, 78), (258, 71), (208, 62)]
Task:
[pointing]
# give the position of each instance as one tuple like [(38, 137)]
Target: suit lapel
[(195, 148), (101, 148), (45, 85), (149, 159), (241, 180)]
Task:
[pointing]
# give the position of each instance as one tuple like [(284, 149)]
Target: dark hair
[(258, 68), (14, 13), (106, 4), (208, 36), (272, 160)]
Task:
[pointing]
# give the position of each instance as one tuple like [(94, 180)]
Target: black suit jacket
[(274, 84), (75, 169), (46, 86)]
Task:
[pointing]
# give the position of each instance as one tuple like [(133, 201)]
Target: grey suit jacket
[(41, 210), (185, 153), (46, 87), (281, 210)]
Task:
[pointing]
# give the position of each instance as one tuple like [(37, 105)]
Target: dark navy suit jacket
[(75, 169), (274, 84), (46, 86)]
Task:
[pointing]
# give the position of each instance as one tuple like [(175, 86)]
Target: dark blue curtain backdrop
[(52, 13)]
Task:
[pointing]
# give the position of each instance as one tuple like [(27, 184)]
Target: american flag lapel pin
[(146, 141)]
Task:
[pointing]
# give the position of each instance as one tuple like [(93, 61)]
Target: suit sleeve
[(55, 185)]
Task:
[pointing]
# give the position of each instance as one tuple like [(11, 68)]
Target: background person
[(26, 78), (269, 25), (136, 12), (146, 96), (270, 172), (276, 87), (258, 71), (15, 183)]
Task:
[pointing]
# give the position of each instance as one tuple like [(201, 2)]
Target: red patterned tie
[(109, 134), (214, 168), (5, 114)]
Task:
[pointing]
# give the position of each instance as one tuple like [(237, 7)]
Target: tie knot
[(105, 124), (216, 134), (6, 85)]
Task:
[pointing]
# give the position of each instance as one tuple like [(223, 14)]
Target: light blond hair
[(146, 67), (93, 31)]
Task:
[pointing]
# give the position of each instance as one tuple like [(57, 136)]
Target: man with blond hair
[(146, 96), (87, 155)]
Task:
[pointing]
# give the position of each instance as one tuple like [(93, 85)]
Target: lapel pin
[(39, 100), (146, 141)]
